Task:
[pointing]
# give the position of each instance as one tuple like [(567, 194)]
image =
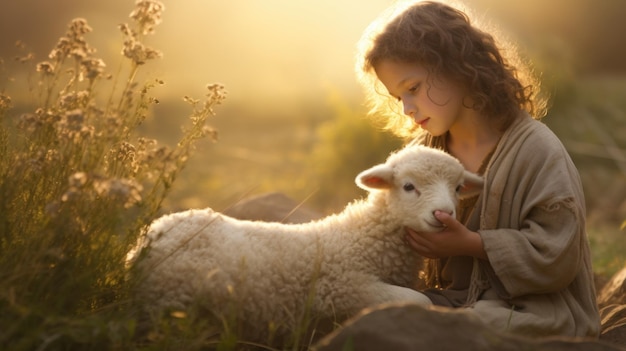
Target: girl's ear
[(472, 185), (377, 177)]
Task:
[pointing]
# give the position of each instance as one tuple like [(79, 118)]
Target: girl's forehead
[(395, 72)]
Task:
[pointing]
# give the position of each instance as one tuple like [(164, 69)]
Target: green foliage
[(346, 145), (608, 247), (77, 186)]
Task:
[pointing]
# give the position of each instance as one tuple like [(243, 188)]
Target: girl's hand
[(454, 240)]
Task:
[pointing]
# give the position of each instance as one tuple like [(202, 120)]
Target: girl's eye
[(408, 187), (414, 88)]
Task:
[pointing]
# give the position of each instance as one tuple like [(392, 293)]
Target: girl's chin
[(433, 132)]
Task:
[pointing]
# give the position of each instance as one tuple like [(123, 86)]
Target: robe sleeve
[(536, 238), (544, 256)]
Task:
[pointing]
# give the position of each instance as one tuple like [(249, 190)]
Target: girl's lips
[(423, 122)]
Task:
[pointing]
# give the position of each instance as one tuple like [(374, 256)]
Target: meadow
[(91, 156)]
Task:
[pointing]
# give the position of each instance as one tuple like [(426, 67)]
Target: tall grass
[(77, 186)]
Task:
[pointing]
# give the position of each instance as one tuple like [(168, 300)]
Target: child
[(517, 255)]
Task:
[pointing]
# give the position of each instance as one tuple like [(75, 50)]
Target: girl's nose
[(409, 108)]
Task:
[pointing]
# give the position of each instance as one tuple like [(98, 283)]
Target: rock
[(411, 327), (271, 207)]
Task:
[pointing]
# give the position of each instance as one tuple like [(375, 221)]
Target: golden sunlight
[(257, 49)]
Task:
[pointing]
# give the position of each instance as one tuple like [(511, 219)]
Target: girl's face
[(434, 103)]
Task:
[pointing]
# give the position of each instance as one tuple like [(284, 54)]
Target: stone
[(411, 327)]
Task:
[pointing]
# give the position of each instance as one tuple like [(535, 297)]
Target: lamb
[(272, 274)]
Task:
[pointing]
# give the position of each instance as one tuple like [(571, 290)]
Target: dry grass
[(77, 186), (79, 181)]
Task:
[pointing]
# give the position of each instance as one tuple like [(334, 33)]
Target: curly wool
[(274, 272)]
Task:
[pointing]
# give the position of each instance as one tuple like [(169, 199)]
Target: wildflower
[(79, 26), (191, 100), (154, 158), (127, 191), (210, 132), (29, 122), (78, 53), (46, 68), (145, 143), (35, 163), (78, 180), (73, 43), (93, 68), (87, 132), (125, 152), (216, 93), (70, 194), (52, 157), (61, 50), (138, 52), (74, 119), (147, 14), (72, 126), (126, 30), (74, 100), (25, 58), (5, 103)]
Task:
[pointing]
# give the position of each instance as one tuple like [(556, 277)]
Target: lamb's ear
[(472, 185), (377, 177)]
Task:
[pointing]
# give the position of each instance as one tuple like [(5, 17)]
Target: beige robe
[(531, 217)]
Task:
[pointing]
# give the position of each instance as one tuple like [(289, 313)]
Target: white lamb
[(271, 274)]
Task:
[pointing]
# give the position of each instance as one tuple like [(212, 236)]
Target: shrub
[(77, 186)]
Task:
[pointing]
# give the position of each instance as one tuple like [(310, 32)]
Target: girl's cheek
[(441, 93)]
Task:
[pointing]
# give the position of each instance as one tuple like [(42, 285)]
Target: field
[(89, 155)]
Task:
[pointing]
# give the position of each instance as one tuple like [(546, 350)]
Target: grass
[(77, 185), (608, 250), (79, 180)]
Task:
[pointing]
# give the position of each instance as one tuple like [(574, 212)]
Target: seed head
[(93, 68), (46, 68), (78, 180), (5, 103), (138, 52), (127, 191), (147, 14), (73, 43)]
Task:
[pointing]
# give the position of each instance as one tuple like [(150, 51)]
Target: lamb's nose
[(451, 213)]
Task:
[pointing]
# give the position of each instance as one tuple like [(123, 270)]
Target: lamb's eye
[(408, 187), (458, 188)]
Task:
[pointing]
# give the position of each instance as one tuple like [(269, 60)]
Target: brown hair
[(442, 38)]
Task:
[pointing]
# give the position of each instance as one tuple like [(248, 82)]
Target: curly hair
[(442, 39)]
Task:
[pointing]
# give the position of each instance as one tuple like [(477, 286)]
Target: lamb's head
[(418, 181)]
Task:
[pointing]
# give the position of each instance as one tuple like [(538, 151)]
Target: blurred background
[(294, 120)]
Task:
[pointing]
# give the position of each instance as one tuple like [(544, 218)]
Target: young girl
[(517, 255)]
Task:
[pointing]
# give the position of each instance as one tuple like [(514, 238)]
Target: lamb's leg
[(381, 292)]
